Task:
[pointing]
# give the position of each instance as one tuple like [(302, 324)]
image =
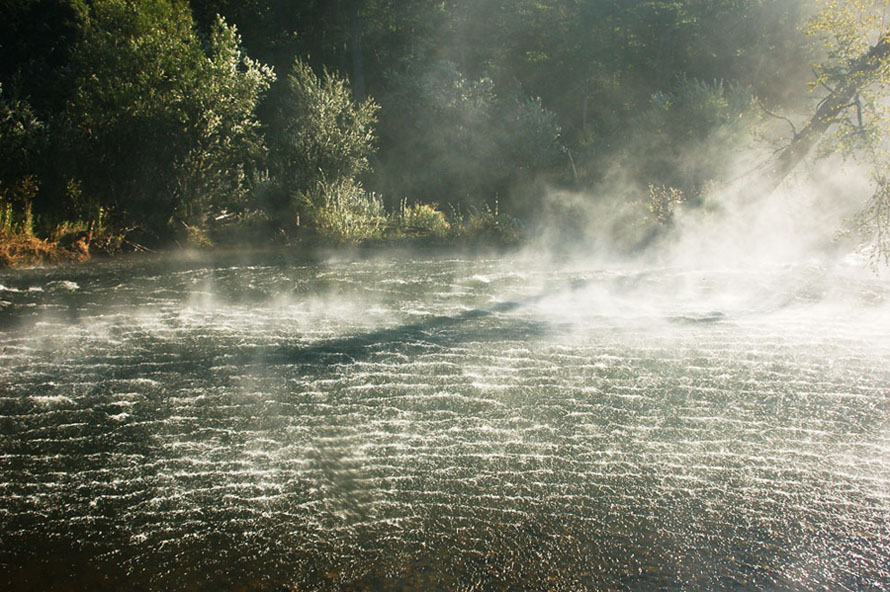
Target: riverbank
[(19, 251), (26, 253)]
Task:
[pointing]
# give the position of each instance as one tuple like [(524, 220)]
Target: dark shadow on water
[(442, 331)]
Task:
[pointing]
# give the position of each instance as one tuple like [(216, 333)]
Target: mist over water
[(710, 413), (414, 422)]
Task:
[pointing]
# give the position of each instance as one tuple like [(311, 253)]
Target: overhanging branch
[(844, 96)]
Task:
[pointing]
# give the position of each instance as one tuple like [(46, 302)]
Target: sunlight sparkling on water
[(402, 423)]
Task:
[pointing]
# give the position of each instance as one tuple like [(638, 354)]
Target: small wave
[(141, 381), (698, 318), (51, 401), (66, 285)]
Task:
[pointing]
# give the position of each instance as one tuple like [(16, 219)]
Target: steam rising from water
[(426, 422)]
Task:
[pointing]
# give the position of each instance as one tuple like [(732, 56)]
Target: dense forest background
[(141, 122)]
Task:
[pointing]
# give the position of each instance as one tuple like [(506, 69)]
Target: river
[(265, 422)]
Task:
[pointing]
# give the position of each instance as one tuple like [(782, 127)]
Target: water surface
[(263, 422)]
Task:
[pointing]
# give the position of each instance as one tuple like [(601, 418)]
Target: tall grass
[(421, 220), (16, 218), (343, 212)]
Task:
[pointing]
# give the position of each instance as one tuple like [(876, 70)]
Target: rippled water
[(433, 423)]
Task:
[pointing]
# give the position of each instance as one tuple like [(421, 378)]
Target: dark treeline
[(148, 120)]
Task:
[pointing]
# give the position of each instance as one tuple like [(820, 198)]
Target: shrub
[(343, 212), (22, 138), (247, 226), (487, 224), (16, 216), (663, 201), (422, 220)]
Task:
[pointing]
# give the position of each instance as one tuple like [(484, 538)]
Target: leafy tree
[(852, 118), (321, 32), (456, 140), (319, 137), (166, 123), (688, 136), (38, 37), (150, 112)]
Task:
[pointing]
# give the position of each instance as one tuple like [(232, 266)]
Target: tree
[(166, 123), (855, 79), (319, 137), (856, 76), (686, 136), (38, 37), (457, 140)]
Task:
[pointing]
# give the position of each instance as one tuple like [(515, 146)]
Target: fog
[(428, 421), (692, 398)]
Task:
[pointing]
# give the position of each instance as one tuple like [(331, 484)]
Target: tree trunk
[(828, 112)]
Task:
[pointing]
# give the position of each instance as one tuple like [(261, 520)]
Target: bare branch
[(826, 87), (782, 117), (859, 110)]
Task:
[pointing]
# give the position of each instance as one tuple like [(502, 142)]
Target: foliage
[(663, 201), (847, 31), (16, 208), (248, 226), (320, 137), (684, 137), (871, 226), (531, 139), (488, 225), (23, 251), (458, 140), (850, 33), (38, 39), (343, 212), (22, 137), (165, 124), (421, 219), (118, 115)]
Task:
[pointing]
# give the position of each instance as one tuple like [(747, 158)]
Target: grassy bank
[(412, 227), (27, 251)]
